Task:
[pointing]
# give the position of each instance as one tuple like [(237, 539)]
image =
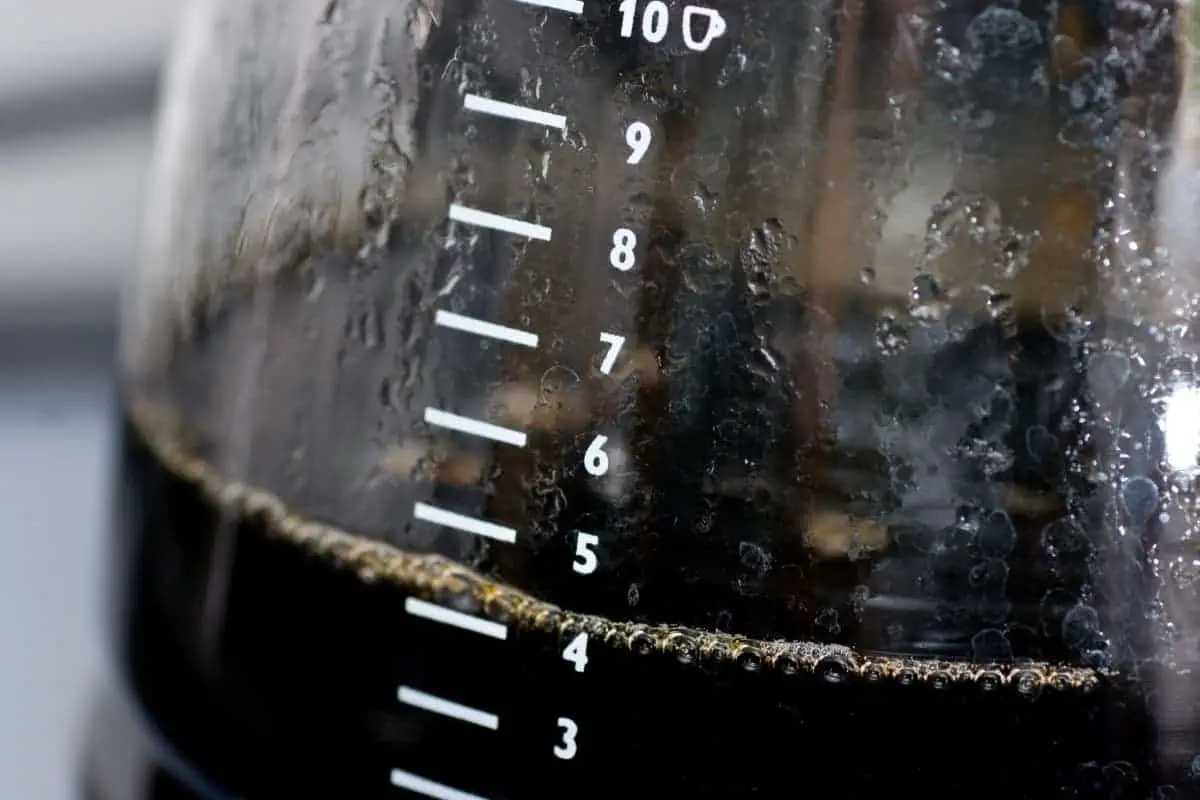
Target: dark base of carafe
[(293, 693), (124, 760)]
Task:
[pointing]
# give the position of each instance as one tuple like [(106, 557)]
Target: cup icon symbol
[(713, 24)]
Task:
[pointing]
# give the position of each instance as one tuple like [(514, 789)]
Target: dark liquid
[(287, 687)]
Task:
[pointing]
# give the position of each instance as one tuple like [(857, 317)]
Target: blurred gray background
[(77, 92)]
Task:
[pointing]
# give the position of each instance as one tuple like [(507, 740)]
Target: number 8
[(622, 256)]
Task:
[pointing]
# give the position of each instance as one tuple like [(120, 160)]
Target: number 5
[(615, 343), (585, 557)]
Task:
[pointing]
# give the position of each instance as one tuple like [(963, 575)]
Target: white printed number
[(585, 562), (567, 748), (622, 256), (638, 136), (615, 343), (701, 26), (576, 652), (595, 460)]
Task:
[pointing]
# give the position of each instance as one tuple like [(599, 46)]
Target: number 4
[(615, 343), (576, 652)]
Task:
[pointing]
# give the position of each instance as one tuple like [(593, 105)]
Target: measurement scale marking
[(438, 791), (479, 527), (454, 422), (498, 108), (457, 619), (570, 6), (489, 330), (486, 219), (447, 708)]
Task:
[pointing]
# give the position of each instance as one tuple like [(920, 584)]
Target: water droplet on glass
[(1140, 498), (1000, 31), (683, 648), (786, 663), (1026, 683), (641, 643), (1106, 374), (989, 681), (990, 646), (749, 659), (989, 576), (1040, 443), (1062, 539), (833, 669), (997, 536), (1080, 627), (827, 618), (754, 559)]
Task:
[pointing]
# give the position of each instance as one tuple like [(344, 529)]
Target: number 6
[(595, 460)]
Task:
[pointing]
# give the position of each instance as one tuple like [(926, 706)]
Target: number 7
[(615, 343)]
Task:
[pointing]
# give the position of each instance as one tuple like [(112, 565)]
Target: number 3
[(567, 749)]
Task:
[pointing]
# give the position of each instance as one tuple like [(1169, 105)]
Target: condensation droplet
[(833, 669), (997, 535), (683, 648), (754, 559), (641, 643), (749, 659), (1026, 683), (1107, 373), (786, 663), (1140, 498), (989, 681), (991, 646), (1080, 627)]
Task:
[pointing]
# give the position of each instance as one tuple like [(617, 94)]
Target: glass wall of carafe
[(737, 372)]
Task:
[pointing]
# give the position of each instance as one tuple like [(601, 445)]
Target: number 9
[(638, 136)]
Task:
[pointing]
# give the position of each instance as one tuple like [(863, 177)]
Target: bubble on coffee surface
[(439, 579)]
